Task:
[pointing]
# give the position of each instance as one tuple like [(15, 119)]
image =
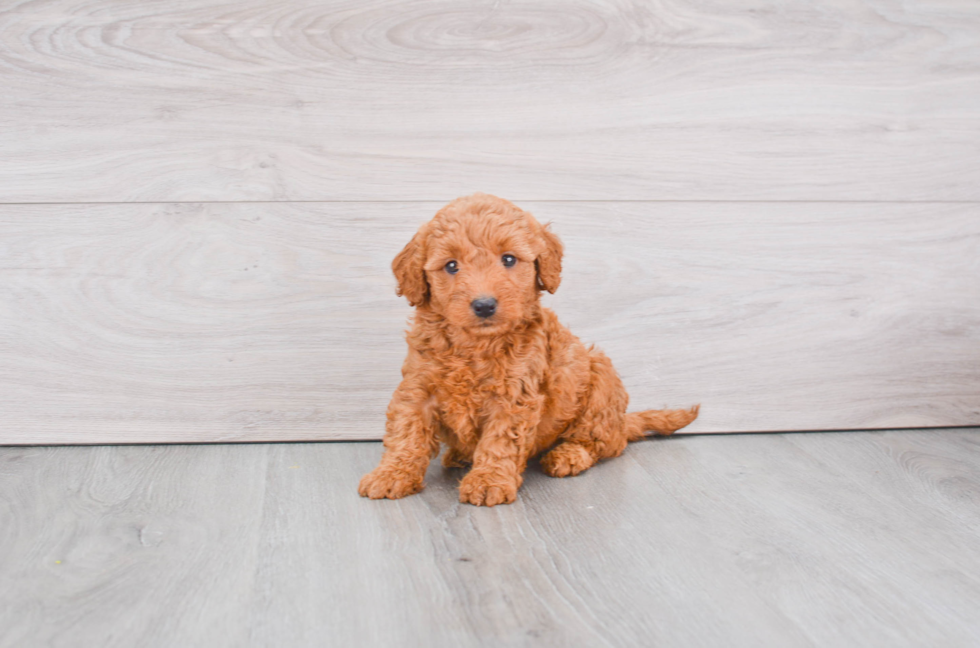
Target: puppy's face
[(480, 264)]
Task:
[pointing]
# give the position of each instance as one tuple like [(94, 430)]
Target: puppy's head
[(480, 264)]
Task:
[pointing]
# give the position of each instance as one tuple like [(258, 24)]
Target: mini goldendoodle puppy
[(490, 372)]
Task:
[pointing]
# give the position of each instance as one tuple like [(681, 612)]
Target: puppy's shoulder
[(551, 325), (560, 339), (427, 344)]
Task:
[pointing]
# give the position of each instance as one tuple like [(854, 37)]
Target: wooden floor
[(820, 539)]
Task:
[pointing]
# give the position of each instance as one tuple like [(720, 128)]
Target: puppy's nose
[(484, 307)]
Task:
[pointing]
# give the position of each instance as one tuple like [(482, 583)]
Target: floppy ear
[(548, 262), (408, 269)]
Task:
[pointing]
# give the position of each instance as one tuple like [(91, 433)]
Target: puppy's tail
[(660, 422)]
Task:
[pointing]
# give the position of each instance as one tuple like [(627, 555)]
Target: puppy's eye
[(452, 267), (508, 260)]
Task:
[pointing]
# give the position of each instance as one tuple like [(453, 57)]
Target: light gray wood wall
[(771, 208), (539, 99)]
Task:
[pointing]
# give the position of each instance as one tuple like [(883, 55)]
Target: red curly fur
[(497, 390)]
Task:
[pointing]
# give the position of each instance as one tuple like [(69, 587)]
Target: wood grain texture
[(538, 99), (865, 538), (248, 322)]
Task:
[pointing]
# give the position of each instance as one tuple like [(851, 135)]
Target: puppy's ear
[(548, 262), (408, 269)]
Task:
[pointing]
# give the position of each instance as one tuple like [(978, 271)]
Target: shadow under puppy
[(490, 372)]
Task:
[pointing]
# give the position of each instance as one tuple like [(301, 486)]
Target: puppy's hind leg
[(456, 456), (600, 431), (458, 453)]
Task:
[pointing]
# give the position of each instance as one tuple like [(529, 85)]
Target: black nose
[(484, 307)]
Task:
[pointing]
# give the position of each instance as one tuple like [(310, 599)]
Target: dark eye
[(508, 260), (452, 267)]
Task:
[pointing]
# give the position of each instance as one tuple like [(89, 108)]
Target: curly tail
[(660, 422)]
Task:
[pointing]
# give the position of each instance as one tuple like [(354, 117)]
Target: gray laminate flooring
[(826, 539)]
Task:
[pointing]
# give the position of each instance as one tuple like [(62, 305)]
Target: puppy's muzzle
[(484, 307)]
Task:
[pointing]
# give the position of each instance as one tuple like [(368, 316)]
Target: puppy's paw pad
[(566, 460), (389, 483), (482, 489)]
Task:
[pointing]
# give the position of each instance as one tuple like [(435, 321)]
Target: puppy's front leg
[(501, 456), (410, 441)]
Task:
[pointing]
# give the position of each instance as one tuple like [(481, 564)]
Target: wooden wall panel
[(191, 100), (771, 208), (247, 322)]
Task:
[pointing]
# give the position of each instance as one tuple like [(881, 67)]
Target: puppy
[(492, 374)]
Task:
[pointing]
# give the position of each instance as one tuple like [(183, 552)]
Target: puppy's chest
[(466, 384), (467, 389)]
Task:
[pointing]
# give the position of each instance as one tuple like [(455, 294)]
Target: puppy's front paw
[(391, 483), (485, 488)]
